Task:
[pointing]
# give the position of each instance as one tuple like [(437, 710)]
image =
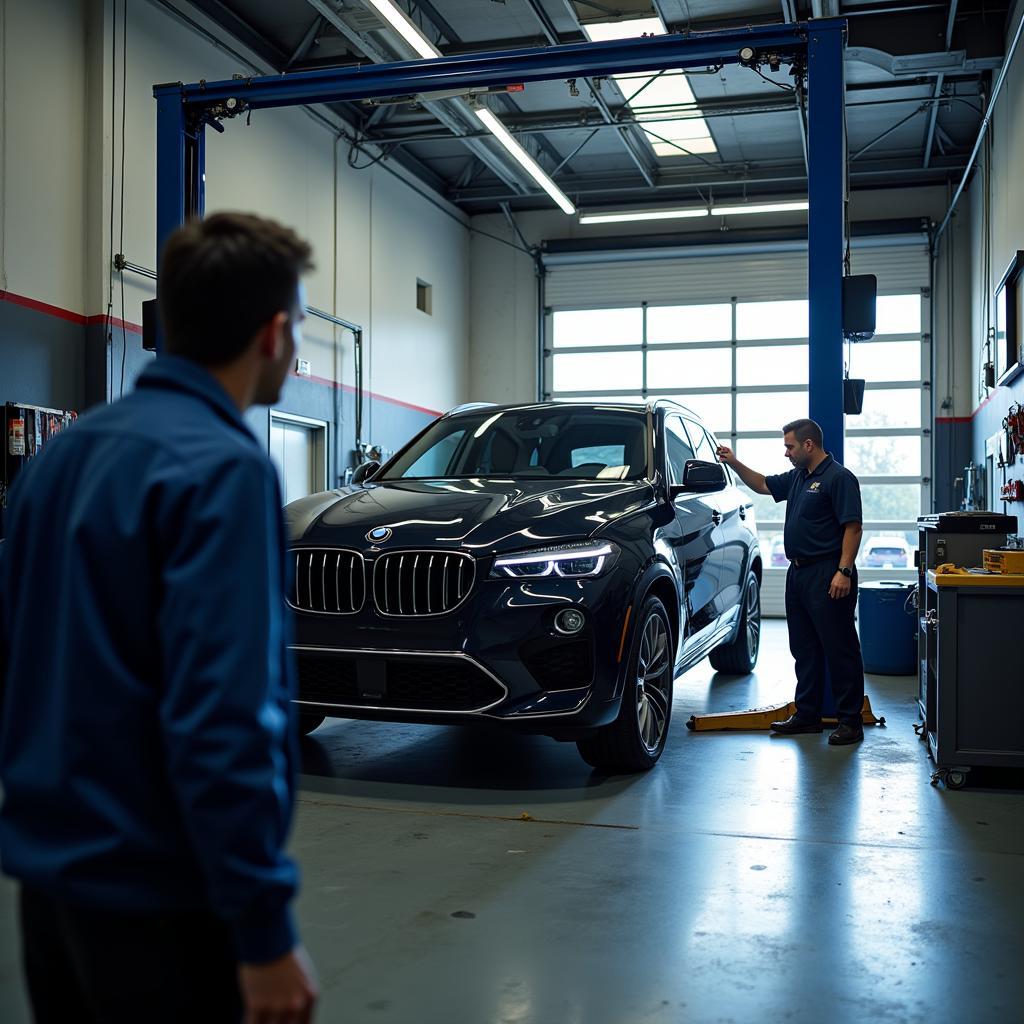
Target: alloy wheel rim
[(753, 621), (653, 680)]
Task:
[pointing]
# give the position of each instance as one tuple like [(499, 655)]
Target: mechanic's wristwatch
[(846, 571)]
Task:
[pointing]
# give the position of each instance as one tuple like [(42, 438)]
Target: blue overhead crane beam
[(183, 111)]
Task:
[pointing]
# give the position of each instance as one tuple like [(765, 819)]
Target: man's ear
[(272, 338)]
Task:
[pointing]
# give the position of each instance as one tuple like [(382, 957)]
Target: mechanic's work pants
[(822, 632), (106, 967)]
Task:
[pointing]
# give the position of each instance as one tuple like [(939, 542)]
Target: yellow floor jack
[(762, 718)]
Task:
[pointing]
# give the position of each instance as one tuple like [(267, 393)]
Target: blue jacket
[(146, 755)]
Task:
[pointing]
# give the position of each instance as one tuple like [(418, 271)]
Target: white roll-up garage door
[(744, 272), (719, 273)]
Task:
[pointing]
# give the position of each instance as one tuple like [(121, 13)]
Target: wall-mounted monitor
[(1009, 334)]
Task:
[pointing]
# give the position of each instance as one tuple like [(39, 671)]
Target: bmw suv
[(551, 567)]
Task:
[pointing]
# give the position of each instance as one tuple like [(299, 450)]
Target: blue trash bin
[(888, 631)]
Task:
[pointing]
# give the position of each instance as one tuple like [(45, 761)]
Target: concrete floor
[(746, 878)]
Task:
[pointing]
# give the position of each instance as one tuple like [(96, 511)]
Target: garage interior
[(653, 244)]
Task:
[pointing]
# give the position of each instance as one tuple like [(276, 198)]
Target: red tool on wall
[(1012, 490), (1013, 424)]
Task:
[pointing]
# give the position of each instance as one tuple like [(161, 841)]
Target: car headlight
[(568, 561)]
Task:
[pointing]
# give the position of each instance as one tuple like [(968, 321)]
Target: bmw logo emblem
[(379, 534)]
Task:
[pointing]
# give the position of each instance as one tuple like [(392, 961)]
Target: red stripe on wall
[(43, 307), (116, 324), (369, 394), (954, 419)]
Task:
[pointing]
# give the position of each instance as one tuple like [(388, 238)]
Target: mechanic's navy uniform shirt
[(146, 756), (818, 506)]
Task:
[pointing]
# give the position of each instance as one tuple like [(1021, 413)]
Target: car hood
[(477, 515)]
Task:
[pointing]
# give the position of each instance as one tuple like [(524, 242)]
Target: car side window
[(702, 443), (678, 447)]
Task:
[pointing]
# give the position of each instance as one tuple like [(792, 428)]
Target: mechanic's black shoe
[(844, 735), (793, 726)]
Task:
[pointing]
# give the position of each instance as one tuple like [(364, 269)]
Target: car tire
[(740, 656), (635, 740), (309, 722)]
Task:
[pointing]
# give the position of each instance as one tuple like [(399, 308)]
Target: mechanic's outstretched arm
[(753, 479)]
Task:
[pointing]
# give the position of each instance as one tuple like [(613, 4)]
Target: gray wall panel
[(42, 358)]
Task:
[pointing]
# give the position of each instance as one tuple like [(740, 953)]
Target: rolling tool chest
[(960, 538), (977, 714)]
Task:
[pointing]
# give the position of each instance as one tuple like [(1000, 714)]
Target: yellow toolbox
[(1004, 560)]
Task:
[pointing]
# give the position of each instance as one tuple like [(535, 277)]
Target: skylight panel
[(654, 98), (606, 31)]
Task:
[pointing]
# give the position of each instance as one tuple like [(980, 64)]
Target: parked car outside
[(885, 552), (551, 567), (779, 558)]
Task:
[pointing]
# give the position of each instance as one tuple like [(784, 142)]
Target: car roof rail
[(467, 406)]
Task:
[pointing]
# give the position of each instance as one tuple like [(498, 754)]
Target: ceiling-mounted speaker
[(853, 395), (149, 325), (860, 295)]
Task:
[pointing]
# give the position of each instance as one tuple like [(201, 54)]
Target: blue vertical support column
[(826, 192), (170, 170), (826, 145)]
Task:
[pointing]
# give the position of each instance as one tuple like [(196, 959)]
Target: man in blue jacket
[(146, 755)]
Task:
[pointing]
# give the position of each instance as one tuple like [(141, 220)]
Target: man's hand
[(726, 455), (840, 586), (280, 992)]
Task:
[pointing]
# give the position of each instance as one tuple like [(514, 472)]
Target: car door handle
[(716, 517)]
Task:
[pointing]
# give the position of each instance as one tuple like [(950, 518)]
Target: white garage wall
[(1007, 236), (44, 151), (57, 173)]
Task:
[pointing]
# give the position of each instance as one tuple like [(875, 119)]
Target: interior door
[(694, 535), (296, 451)]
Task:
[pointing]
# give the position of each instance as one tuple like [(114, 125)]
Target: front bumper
[(497, 657)]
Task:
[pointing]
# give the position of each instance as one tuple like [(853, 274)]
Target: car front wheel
[(636, 739)]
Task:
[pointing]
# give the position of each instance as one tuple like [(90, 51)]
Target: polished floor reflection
[(458, 877)]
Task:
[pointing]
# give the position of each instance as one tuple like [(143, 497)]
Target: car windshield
[(583, 443)]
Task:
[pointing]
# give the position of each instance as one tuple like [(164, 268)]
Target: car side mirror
[(364, 471), (701, 477)]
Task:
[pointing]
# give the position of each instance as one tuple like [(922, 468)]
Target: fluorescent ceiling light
[(400, 22), (758, 208), (534, 169), (617, 218)]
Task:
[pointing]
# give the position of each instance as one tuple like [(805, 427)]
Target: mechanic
[(146, 753), (822, 536)]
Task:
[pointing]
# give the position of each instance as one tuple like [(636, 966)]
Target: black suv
[(547, 566)]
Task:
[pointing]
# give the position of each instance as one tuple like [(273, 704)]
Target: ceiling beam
[(559, 121), (307, 41), (933, 116), (633, 141), (452, 36), (906, 171), (453, 114), (435, 16), (243, 32)]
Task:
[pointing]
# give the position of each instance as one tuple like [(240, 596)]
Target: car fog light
[(569, 620)]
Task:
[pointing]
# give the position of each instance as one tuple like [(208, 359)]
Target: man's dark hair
[(805, 430), (222, 279)]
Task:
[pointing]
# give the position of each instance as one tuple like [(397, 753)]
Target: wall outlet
[(302, 367)]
